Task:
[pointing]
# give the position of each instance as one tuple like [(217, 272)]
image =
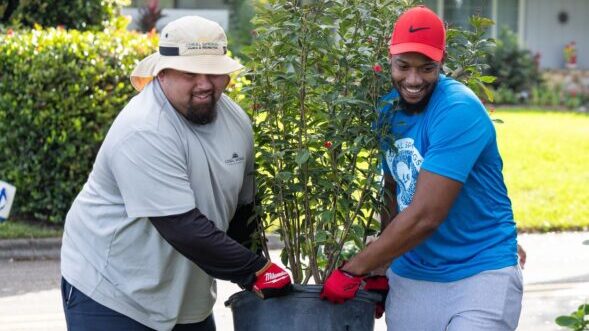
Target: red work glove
[(380, 285), (340, 286), (271, 281)]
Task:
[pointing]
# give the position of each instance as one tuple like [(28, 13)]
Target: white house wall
[(544, 34)]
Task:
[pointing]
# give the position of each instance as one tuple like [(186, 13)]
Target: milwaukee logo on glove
[(271, 281), (276, 277)]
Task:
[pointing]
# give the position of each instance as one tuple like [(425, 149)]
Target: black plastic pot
[(302, 310)]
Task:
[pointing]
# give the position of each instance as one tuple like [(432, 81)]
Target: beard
[(418, 107), (201, 114), (415, 108)]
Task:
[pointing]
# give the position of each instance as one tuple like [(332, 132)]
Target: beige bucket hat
[(192, 44)]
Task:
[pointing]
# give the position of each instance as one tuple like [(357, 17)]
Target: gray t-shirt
[(154, 162)]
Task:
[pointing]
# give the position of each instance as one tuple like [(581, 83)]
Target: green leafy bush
[(71, 14), (318, 71), (577, 320), (466, 60), (514, 67), (240, 26), (59, 92)]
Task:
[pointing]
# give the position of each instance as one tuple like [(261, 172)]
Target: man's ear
[(161, 75), (443, 60)]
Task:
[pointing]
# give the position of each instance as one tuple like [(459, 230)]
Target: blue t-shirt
[(455, 138)]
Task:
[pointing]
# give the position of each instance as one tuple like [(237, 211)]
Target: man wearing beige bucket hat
[(167, 205)]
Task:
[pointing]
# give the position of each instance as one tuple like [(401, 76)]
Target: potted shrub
[(318, 71)]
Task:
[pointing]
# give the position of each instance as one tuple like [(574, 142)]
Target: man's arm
[(199, 240), (389, 209), (243, 225), (433, 199)]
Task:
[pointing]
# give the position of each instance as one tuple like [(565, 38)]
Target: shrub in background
[(71, 14), (240, 26), (514, 67), (59, 92), (149, 15)]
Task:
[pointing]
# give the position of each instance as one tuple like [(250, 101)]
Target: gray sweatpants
[(490, 300)]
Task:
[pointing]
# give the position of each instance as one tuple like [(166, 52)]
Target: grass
[(546, 167), (12, 229)]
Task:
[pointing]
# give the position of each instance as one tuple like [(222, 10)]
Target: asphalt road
[(22, 277)]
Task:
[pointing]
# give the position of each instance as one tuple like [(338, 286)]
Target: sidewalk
[(556, 281)]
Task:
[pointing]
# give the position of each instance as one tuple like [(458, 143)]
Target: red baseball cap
[(419, 30)]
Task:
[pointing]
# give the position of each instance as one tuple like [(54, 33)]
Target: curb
[(49, 248), (30, 249)]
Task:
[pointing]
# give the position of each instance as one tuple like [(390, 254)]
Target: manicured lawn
[(546, 167), (19, 229)]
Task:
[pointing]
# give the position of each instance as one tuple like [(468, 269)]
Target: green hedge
[(59, 92), (72, 14)]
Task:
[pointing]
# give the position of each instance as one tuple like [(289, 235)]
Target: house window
[(431, 4), (458, 12), (507, 14)]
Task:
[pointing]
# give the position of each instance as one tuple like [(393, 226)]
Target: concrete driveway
[(556, 281)]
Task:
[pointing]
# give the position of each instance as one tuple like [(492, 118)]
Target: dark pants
[(85, 314)]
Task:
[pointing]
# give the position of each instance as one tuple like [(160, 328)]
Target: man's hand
[(380, 285), (340, 286), (271, 281), (522, 256)]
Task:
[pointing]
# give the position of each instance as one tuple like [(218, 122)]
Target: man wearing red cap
[(448, 231)]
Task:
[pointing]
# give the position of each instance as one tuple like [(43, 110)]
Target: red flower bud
[(10, 32), (327, 144), (377, 68)]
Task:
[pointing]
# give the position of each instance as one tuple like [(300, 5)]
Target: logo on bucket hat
[(419, 30), (191, 44)]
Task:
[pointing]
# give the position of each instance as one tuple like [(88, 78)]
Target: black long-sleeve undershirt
[(198, 239)]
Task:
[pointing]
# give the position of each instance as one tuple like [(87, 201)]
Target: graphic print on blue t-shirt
[(404, 163)]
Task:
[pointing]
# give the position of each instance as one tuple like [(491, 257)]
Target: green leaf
[(320, 236), (486, 90), (488, 79), (567, 321), (284, 257), (326, 216), (302, 156), (284, 176), (582, 311)]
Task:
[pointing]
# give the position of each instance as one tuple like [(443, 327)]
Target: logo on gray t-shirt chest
[(235, 159)]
